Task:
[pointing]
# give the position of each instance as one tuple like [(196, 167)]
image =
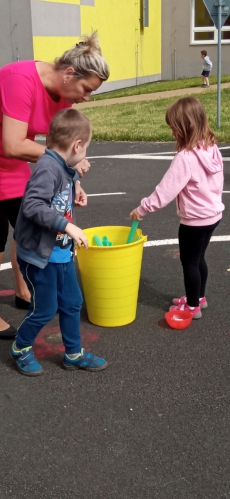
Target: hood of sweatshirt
[(210, 159)]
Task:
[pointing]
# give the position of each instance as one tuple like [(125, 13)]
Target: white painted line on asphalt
[(107, 194), (130, 156), (220, 238), (157, 153), (6, 266), (139, 156), (40, 137), (160, 242), (165, 242)]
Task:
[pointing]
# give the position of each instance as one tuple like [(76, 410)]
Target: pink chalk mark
[(45, 347), (7, 292)]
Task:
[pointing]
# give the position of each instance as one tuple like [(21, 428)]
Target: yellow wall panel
[(131, 50), (47, 48), (116, 34)]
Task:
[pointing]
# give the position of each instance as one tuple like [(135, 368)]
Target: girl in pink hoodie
[(195, 179)]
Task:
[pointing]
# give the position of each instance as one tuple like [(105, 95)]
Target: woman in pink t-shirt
[(31, 93)]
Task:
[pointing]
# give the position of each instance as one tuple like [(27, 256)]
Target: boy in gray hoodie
[(45, 235), (207, 66)]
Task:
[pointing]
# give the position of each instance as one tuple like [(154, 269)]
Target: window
[(202, 26)]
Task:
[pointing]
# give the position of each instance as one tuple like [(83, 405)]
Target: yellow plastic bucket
[(110, 275)]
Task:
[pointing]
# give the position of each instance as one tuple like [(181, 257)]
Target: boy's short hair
[(66, 126), (204, 52)]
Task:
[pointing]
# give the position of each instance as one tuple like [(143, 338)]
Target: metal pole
[(219, 66)]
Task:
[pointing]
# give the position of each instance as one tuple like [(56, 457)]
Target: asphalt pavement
[(155, 424)]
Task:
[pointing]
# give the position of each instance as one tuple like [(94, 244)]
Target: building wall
[(179, 58), (133, 52), (44, 29), (15, 31)]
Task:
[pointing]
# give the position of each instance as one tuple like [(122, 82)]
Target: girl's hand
[(82, 167), (135, 215), (77, 234), (80, 195)]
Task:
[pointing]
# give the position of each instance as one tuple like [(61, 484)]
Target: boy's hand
[(135, 215), (80, 195), (77, 234), (82, 167)]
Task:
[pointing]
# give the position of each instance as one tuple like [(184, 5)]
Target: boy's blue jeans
[(54, 288)]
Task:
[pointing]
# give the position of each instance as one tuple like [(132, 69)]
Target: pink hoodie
[(196, 179)]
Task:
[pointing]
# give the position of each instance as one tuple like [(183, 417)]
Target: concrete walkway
[(145, 97)]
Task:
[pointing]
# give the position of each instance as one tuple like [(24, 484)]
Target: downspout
[(175, 64), (136, 39)]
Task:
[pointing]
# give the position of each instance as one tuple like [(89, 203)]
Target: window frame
[(209, 29)]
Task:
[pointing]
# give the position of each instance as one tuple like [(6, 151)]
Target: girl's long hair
[(188, 121)]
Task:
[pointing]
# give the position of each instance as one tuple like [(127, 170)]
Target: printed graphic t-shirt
[(63, 245)]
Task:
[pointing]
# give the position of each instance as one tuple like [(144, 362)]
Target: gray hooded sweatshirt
[(207, 64), (47, 199)]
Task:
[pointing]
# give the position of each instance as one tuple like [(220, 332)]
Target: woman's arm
[(15, 142), (80, 195), (16, 145)]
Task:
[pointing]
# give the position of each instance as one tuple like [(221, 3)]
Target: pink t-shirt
[(24, 98)]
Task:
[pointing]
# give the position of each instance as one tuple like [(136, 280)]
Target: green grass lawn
[(145, 121), (158, 86)]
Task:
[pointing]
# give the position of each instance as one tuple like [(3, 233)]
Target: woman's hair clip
[(81, 44)]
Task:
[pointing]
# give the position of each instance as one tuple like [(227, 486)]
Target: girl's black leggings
[(193, 242), (9, 209)]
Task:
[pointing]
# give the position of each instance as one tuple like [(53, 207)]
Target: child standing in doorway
[(207, 66), (45, 235), (195, 179)]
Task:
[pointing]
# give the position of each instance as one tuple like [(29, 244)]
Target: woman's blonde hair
[(188, 121), (85, 58), (67, 126)]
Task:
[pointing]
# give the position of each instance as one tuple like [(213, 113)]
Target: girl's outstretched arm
[(173, 182)]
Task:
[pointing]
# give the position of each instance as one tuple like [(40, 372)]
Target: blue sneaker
[(26, 363), (86, 361)]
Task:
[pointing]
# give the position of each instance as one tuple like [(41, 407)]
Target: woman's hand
[(135, 215), (82, 167), (80, 195)]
